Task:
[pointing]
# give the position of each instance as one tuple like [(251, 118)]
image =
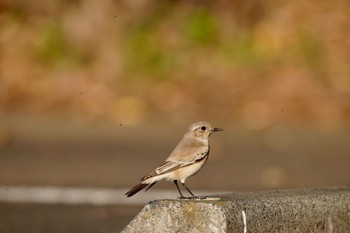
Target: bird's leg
[(183, 184), (175, 181)]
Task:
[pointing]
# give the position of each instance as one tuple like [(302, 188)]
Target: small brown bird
[(186, 159)]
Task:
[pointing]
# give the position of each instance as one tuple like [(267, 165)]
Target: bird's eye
[(203, 128)]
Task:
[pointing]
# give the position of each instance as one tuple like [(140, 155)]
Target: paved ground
[(60, 153), (64, 218)]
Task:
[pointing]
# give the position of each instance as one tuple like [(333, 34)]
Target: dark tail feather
[(150, 186), (135, 189)]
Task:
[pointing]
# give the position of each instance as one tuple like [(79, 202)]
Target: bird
[(186, 159)]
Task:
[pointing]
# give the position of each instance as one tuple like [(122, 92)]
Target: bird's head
[(202, 130)]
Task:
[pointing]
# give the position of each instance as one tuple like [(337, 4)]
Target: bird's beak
[(217, 129)]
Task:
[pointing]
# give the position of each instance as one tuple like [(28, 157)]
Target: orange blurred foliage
[(247, 63)]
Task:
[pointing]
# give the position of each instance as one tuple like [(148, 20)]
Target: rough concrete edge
[(179, 216), (234, 207)]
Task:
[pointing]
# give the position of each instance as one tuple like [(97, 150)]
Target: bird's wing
[(172, 165), (166, 167)]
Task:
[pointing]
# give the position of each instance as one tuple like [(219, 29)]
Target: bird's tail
[(135, 189)]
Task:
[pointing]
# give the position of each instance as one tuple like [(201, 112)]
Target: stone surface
[(303, 210)]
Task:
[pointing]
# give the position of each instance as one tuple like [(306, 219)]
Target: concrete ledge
[(304, 210)]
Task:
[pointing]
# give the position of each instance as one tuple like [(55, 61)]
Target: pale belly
[(183, 173)]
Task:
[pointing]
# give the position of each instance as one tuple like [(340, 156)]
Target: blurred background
[(98, 93)]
